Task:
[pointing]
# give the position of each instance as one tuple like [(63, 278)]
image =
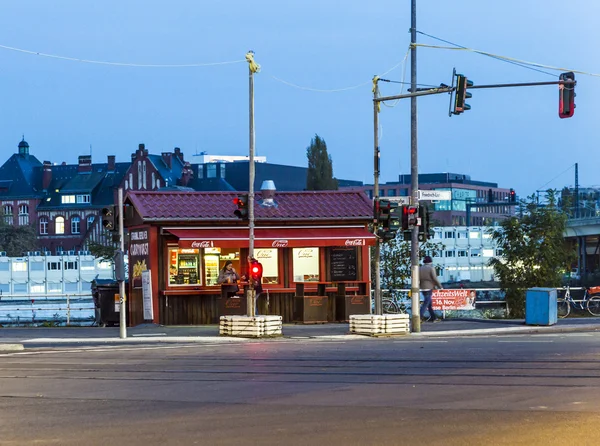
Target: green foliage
[(16, 240), (320, 166), (105, 247), (535, 251), (395, 261)]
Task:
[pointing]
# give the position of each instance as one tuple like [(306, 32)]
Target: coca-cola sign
[(281, 243), (202, 244), (355, 242)]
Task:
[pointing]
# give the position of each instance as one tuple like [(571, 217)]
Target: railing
[(55, 310)]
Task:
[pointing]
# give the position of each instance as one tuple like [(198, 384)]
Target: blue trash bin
[(540, 306)]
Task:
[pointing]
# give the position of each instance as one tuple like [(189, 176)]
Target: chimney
[(177, 152), (267, 191), (167, 158), (85, 164), (186, 175), (46, 175), (141, 151), (111, 163)]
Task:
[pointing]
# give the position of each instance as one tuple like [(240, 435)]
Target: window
[(211, 170), (473, 234), (4, 288), (43, 225), (462, 253), (488, 253), (59, 225), (20, 288), (8, 214), (449, 234), (37, 288), (36, 266), (71, 287), (269, 261), (70, 265), (475, 252), (90, 221), (450, 254), (499, 252), (153, 184), (4, 266), (19, 266), (85, 198), (75, 225), (104, 264), (53, 266), (461, 234), (222, 170), (87, 265), (54, 287), (487, 235), (391, 192), (23, 214), (67, 199), (183, 267), (305, 264)]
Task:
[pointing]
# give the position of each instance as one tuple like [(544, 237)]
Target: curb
[(512, 330), (11, 347)]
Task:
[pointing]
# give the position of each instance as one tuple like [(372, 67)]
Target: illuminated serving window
[(184, 267), (306, 264), (214, 261), (268, 259)]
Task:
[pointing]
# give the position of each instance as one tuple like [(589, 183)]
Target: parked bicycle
[(590, 302)]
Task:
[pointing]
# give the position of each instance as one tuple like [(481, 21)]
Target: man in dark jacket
[(429, 281)]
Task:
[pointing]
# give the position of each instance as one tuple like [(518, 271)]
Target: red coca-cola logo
[(280, 243), (202, 244), (355, 242)]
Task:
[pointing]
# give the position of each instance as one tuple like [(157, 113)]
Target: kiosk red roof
[(204, 206)]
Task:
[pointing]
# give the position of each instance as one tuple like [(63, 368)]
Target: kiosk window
[(214, 261), (306, 264), (269, 260), (184, 267)]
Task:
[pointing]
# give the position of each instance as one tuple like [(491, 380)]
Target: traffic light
[(256, 271), (241, 201), (461, 94), (109, 218), (387, 217), (409, 217), (119, 261), (424, 226), (512, 197), (566, 95)]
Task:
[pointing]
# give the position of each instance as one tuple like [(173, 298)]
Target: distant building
[(464, 192)]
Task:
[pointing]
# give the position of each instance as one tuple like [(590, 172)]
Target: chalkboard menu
[(342, 264)]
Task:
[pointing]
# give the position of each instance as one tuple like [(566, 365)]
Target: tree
[(16, 240), (534, 249), (105, 247), (320, 166)]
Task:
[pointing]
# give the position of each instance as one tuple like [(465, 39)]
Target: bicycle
[(590, 302)]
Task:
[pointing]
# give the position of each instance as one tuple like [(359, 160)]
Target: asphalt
[(14, 338)]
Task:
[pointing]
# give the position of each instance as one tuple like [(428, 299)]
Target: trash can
[(540, 306), (105, 293)]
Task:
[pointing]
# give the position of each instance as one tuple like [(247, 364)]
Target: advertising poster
[(138, 255), (459, 299), (147, 295)]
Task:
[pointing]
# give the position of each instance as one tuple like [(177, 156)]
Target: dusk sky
[(513, 137)]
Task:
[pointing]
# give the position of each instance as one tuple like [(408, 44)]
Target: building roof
[(19, 176), (176, 206)]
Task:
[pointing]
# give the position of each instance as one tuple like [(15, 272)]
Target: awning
[(273, 237)]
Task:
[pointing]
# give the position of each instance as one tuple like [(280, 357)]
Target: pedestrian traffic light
[(241, 201), (461, 94), (424, 223), (256, 271), (409, 217), (119, 262), (109, 218), (512, 197), (566, 95)]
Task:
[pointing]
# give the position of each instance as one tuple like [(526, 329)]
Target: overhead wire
[(120, 64), (522, 65), (563, 172)]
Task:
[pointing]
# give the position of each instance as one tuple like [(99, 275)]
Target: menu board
[(342, 264)]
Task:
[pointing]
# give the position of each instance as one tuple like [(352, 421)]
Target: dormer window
[(85, 198), (67, 199)]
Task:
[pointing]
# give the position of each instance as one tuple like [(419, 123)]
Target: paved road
[(509, 390)]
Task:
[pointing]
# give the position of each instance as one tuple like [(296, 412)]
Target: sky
[(511, 136)]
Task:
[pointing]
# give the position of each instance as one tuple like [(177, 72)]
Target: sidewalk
[(209, 333)]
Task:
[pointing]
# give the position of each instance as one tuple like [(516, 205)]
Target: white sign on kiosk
[(147, 295), (432, 195)]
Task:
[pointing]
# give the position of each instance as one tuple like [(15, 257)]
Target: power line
[(489, 55), (566, 170), (119, 64)]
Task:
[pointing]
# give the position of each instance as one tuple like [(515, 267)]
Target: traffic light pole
[(376, 157), (414, 172), (252, 68), (122, 309)]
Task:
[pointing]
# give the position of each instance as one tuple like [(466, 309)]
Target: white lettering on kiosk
[(355, 242), (280, 243), (202, 244)]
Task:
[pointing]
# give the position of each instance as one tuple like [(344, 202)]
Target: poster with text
[(459, 299)]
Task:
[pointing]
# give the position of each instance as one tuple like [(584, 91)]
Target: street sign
[(402, 201), (425, 195)]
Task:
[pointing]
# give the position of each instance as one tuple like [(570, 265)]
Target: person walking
[(429, 281), (228, 279)]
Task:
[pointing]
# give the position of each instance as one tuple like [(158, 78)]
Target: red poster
[(459, 299)]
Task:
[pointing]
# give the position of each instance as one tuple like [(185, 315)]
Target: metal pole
[(68, 311), (122, 310), (414, 171), (250, 299), (376, 157)]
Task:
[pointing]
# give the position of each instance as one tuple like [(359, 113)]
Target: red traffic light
[(242, 207), (256, 270)]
